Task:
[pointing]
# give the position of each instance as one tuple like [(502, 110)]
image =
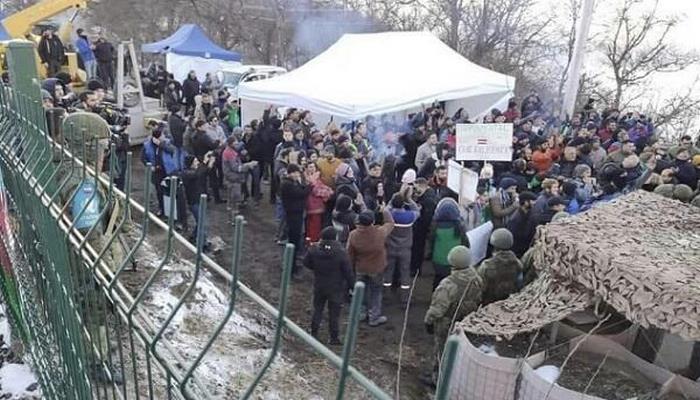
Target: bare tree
[(639, 47), (676, 115)]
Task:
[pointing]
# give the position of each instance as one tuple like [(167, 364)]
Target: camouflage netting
[(539, 303), (640, 254)]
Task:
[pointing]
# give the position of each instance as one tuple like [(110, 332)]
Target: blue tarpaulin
[(190, 40)]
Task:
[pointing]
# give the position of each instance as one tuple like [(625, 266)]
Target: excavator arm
[(18, 25)]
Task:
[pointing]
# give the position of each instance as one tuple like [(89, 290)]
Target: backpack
[(85, 198)]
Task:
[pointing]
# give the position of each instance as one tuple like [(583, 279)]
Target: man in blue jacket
[(405, 212), (153, 152), (84, 47)]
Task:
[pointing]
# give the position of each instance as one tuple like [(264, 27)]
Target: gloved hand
[(430, 329)]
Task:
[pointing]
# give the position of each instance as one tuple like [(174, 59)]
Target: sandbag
[(480, 376)]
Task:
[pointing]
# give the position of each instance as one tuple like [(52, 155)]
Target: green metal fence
[(80, 313)]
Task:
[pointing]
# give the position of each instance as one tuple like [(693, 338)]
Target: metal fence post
[(449, 355), (350, 336)]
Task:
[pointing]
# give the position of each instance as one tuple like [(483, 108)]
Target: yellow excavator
[(21, 24)]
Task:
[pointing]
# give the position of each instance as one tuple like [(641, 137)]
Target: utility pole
[(574, 73)]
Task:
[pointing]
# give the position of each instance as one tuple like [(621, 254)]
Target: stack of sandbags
[(481, 376)]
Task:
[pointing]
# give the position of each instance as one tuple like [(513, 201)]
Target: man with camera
[(117, 119), (194, 181), (203, 145)]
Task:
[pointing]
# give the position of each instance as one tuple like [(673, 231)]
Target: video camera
[(68, 102), (115, 116)]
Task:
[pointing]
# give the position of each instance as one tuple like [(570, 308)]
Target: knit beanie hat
[(409, 176), (292, 168), (683, 193), (95, 84), (665, 190), (366, 218), (460, 257), (343, 203), (502, 239), (696, 160), (45, 94), (507, 182), (329, 233)]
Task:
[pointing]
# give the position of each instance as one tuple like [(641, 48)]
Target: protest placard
[(479, 241), (484, 142), (462, 181)]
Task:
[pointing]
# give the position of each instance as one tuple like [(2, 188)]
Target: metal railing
[(89, 331)]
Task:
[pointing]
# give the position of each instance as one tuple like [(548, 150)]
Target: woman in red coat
[(315, 203)]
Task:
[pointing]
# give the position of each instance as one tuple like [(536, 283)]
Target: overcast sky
[(685, 36)]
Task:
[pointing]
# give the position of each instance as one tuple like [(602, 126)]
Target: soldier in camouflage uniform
[(500, 272), (78, 190), (96, 140), (455, 297)]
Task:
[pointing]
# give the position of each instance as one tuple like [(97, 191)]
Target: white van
[(230, 78)]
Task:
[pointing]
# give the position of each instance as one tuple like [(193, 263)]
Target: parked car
[(230, 78)]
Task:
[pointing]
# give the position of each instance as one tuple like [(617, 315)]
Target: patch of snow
[(5, 326), (241, 348), (16, 380)]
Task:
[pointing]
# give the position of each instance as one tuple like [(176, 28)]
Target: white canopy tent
[(382, 73)]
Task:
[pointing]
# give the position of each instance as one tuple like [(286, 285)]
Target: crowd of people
[(369, 200), (96, 57)]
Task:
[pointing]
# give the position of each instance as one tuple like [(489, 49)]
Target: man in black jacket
[(190, 89), (176, 124), (427, 199), (522, 225), (194, 181), (51, 52), (293, 193), (104, 54), (202, 145), (332, 279)]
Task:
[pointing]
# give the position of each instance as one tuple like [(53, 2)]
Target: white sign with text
[(484, 142)]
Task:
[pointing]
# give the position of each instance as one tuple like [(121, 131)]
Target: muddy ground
[(377, 349)]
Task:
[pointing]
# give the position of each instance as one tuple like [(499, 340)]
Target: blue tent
[(190, 40), (3, 33)]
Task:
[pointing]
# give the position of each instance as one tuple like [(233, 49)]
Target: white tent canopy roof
[(379, 73)]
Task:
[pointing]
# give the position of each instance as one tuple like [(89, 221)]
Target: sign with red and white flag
[(484, 142)]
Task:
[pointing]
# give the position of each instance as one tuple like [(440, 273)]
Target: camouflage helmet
[(96, 135), (683, 193), (502, 239), (560, 215), (460, 257), (665, 190)]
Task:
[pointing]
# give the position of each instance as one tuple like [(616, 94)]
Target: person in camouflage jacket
[(455, 297), (500, 272)]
